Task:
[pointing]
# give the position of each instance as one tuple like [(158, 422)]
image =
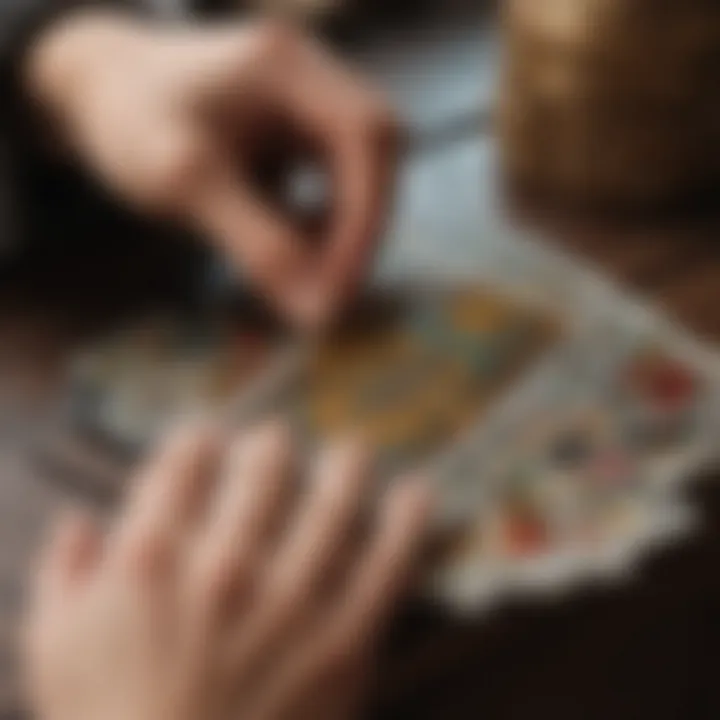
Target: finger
[(313, 542), (247, 506), (323, 525), (364, 159), (384, 571), (330, 105), (346, 635), (71, 554), (261, 244), (168, 495)]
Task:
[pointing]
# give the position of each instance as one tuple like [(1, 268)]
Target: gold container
[(614, 102)]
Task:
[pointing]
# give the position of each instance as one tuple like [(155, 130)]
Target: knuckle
[(224, 579), (276, 41), (291, 600), (338, 654), (264, 444), (382, 125), (344, 647), (175, 167), (146, 557), (214, 585)]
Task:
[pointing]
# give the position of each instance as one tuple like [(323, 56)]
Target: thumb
[(264, 246)]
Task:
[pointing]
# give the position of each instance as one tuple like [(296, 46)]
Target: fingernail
[(352, 449), (188, 428), (271, 435)]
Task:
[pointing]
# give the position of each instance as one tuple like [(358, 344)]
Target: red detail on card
[(663, 382), (524, 535), (611, 468)]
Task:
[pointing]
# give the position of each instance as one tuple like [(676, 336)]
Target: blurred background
[(594, 122)]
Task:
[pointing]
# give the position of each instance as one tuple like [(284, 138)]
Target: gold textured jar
[(612, 101)]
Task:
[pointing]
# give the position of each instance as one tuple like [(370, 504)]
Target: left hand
[(223, 597)]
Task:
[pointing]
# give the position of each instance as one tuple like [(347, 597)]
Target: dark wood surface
[(646, 649)]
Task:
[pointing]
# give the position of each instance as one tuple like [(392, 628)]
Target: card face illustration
[(583, 479), (412, 382)]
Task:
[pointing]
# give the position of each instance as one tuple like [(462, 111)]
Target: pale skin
[(221, 592), (167, 117)]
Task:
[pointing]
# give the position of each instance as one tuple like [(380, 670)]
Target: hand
[(171, 119), (222, 595)]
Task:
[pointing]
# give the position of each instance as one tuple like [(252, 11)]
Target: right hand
[(220, 594), (170, 118)]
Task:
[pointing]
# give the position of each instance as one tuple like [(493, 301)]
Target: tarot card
[(625, 408), (562, 503), (415, 370), (543, 428), (512, 552), (555, 425)]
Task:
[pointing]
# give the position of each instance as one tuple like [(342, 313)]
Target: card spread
[(555, 414)]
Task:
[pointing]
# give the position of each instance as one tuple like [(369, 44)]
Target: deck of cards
[(556, 416)]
